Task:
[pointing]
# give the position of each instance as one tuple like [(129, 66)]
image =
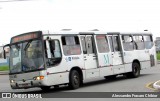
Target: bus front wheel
[(74, 79)]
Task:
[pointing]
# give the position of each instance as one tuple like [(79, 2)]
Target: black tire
[(135, 71), (111, 77), (45, 88), (74, 80)]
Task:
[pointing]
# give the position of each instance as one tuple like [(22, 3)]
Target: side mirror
[(4, 54), (4, 51)]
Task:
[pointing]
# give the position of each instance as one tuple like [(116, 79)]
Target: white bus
[(45, 58)]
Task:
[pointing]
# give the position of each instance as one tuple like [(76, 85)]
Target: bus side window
[(71, 45), (148, 41), (52, 46), (111, 43), (90, 46), (83, 44), (55, 48), (139, 42), (116, 42), (127, 42), (53, 52), (102, 43)]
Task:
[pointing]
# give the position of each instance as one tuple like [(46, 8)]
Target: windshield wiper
[(27, 45)]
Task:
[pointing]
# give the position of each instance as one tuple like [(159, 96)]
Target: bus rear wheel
[(74, 80), (135, 71)]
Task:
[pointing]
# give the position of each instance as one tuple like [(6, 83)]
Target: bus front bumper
[(26, 84)]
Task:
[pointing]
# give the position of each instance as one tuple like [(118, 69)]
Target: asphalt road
[(121, 84)]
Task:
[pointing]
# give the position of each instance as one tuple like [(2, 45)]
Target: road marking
[(156, 85), (150, 86)]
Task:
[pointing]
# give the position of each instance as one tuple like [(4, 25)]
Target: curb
[(4, 72), (156, 85)]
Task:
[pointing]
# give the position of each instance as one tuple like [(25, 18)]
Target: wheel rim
[(76, 80), (136, 70)]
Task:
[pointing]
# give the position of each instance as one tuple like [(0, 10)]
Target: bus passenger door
[(90, 58), (115, 45), (104, 55)]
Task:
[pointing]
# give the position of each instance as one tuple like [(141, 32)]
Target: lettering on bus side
[(71, 58), (75, 58), (106, 59)]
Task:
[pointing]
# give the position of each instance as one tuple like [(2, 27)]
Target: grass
[(158, 56), (4, 68)]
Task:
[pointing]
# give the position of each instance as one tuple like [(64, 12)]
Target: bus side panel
[(105, 71), (153, 57), (145, 64), (129, 56), (92, 73), (144, 58), (128, 67), (118, 69), (56, 78)]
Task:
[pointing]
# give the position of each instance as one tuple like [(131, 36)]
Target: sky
[(107, 15)]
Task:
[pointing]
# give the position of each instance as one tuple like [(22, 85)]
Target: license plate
[(25, 85)]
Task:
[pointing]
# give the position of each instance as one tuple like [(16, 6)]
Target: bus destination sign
[(24, 37)]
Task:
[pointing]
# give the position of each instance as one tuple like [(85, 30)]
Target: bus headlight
[(39, 78), (12, 81)]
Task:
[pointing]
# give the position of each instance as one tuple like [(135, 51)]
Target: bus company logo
[(68, 59), (6, 95)]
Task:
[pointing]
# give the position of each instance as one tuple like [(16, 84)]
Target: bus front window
[(32, 56), (15, 58)]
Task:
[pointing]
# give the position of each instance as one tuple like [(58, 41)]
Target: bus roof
[(48, 32)]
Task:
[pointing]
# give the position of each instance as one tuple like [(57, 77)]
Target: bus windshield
[(15, 58), (26, 56)]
